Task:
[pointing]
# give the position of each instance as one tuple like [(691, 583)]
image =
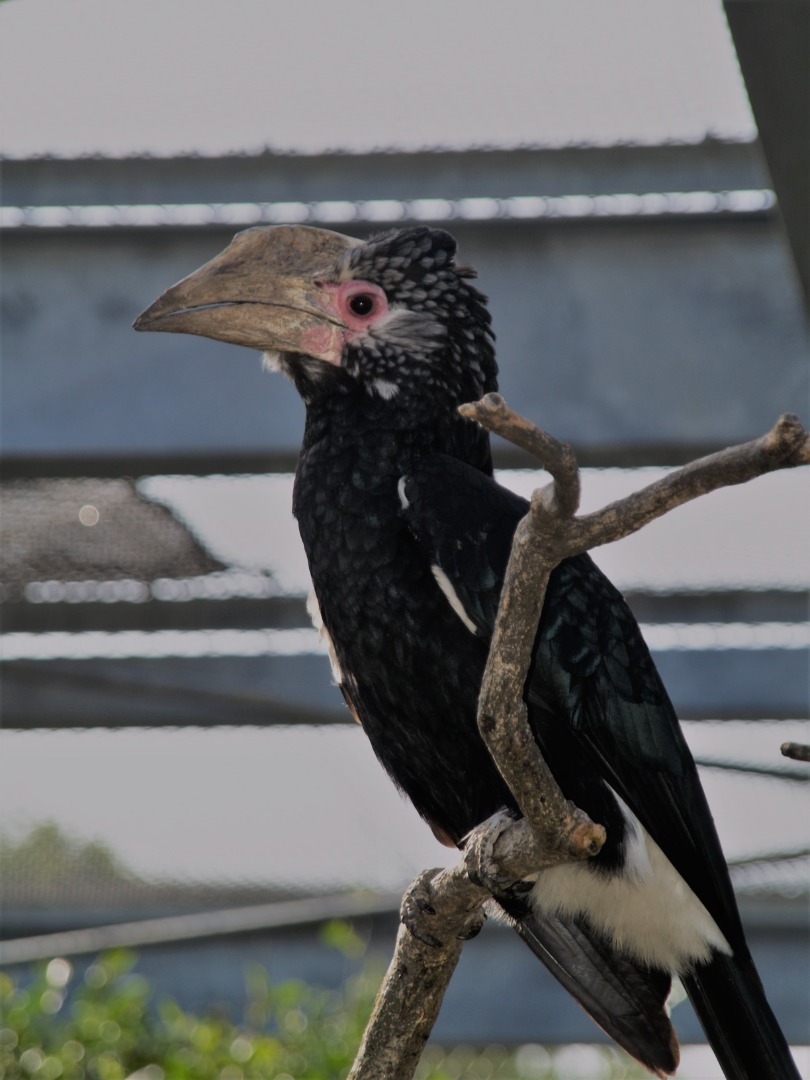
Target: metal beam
[(772, 38), (735, 684)]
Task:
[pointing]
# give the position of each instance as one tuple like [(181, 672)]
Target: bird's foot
[(485, 865), (423, 915)]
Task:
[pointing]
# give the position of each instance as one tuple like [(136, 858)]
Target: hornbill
[(407, 536)]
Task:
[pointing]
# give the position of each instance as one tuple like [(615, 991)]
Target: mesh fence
[(186, 594)]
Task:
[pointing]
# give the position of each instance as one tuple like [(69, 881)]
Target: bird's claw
[(474, 926), (417, 909), (483, 866), (420, 916)]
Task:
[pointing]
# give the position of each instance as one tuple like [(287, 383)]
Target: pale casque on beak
[(262, 291)]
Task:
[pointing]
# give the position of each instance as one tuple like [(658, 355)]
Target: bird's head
[(392, 318)]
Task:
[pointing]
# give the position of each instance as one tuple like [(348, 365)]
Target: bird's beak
[(262, 291)]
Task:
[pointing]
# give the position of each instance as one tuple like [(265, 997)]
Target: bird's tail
[(730, 1002)]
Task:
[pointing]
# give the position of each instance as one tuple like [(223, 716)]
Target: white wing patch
[(446, 586), (648, 911), (314, 612), (442, 580)]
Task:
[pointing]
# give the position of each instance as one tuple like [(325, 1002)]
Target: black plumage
[(407, 536)]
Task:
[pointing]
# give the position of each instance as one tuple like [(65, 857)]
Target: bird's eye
[(362, 304)]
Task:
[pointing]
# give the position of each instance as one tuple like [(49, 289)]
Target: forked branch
[(441, 909)]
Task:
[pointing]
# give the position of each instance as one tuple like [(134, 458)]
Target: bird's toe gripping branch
[(502, 857), (484, 867), (504, 854), (432, 919), (417, 912)]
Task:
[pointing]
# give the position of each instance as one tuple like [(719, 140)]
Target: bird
[(407, 534)]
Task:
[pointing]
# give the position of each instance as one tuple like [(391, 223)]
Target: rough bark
[(796, 751), (441, 909)]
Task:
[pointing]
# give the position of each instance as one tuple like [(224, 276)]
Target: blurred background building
[(177, 771)]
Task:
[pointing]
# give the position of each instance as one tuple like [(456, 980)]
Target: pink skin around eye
[(358, 305)]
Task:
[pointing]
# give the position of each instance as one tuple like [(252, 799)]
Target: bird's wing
[(591, 660), (626, 1000), (592, 673), (464, 522)]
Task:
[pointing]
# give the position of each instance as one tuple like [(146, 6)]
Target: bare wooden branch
[(557, 458), (538, 546), (442, 909), (502, 716), (796, 751), (412, 991), (405, 1010), (785, 446)]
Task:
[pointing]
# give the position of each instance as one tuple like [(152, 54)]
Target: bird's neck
[(369, 433), (353, 455), (355, 433)]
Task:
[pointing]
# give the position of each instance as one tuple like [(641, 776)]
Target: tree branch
[(796, 751), (412, 991), (441, 909), (785, 446)]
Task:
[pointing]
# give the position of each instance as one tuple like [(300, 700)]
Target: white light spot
[(89, 515), (525, 206), (12, 217), (382, 210), (698, 637), (482, 208), (334, 211), (51, 1002), (238, 213), (747, 201), (430, 209), (573, 205), (292, 213), (31, 1059), (58, 972), (403, 498), (157, 644), (479, 209)]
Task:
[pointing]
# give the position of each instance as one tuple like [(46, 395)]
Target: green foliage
[(108, 1026), (47, 855)]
